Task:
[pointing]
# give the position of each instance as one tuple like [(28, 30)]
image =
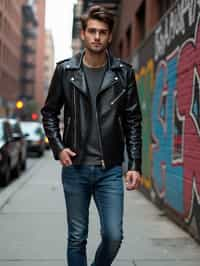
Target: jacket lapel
[(78, 77), (78, 80), (109, 80)]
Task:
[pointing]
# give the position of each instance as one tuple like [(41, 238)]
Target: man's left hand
[(133, 180)]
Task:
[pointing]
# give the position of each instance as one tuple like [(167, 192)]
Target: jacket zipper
[(68, 124), (75, 121), (118, 96), (100, 141)]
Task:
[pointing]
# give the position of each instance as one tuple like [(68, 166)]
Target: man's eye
[(103, 32), (93, 31)]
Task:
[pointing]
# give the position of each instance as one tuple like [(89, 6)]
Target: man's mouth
[(96, 43)]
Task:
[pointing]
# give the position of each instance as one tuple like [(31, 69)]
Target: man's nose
[(97, 35)]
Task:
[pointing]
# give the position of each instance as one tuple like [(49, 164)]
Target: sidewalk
[(33, 224)]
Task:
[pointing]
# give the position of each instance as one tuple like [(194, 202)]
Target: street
[(33, 225)]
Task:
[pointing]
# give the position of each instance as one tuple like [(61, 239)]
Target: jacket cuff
[(56, 150), (135, 165)]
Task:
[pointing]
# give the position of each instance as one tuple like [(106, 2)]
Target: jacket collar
[(76, 61), (78, 78)]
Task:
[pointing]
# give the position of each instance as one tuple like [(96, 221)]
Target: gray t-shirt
[(94, 78)]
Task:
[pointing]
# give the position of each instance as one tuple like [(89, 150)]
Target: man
[(101, 112)]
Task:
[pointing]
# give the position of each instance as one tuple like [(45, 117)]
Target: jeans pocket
[(67, 166), (67, 172), (118, 171)]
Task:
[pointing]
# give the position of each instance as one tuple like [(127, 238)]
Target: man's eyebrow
[(93, 28)]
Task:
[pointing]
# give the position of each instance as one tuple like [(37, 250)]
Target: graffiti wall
[(168, 76)]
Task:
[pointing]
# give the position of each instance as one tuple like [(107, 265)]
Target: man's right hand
[(65, 156)]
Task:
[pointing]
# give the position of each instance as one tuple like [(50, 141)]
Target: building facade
[(10, 54), (32, 57), (49, 59), (136, 21), (112, 5), (28, 50), (40, 54), (76, 41)]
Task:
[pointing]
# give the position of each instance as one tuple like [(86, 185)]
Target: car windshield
[(32, 129), (1, 131)]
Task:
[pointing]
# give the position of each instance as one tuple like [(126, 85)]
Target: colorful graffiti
[(169, 91), (166, 173), (188, 98), (145, 79), (174, 25)]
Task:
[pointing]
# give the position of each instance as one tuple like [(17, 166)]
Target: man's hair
[(100, 13)]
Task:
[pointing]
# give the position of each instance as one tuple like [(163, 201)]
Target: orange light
[(34, 116), (19, 104)]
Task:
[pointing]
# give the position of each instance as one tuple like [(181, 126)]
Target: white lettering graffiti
[(174, 24)]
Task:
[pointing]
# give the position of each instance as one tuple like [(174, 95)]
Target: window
[(1, 131), (128, 37), (121, 48), (0, 50), (140, 17), (1, 21)]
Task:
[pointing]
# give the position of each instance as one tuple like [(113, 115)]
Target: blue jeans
[(80, 183)]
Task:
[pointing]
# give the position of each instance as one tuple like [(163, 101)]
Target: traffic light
[(19, 104)]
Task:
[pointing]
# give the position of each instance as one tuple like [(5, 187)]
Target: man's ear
[(110, 38), (82, 35)]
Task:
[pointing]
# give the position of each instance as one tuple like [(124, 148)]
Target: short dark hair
[(100, 13)]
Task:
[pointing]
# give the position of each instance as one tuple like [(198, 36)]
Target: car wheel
[(6, 177), (17, 169), (41, 152), (24, 165)]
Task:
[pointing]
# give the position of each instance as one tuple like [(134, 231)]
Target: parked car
[(17, 131), (35, 138), (9, 152)]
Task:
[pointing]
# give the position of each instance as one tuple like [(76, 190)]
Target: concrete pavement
[(33, 225)]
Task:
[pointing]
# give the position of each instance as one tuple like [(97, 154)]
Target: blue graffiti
[(167, 177)]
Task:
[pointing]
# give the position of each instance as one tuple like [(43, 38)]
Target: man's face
[(96, 36)]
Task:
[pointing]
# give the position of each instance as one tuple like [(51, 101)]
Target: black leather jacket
[(118, 112)]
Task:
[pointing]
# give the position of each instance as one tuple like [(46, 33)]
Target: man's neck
[(94, 60)]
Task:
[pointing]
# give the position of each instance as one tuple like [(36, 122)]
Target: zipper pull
[(117, 97)]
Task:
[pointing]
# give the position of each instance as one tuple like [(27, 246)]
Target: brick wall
[(168, 76), (167, 66), (128, 34)]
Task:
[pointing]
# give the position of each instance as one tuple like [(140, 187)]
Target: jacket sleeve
[(51, 111), (132, 124)]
